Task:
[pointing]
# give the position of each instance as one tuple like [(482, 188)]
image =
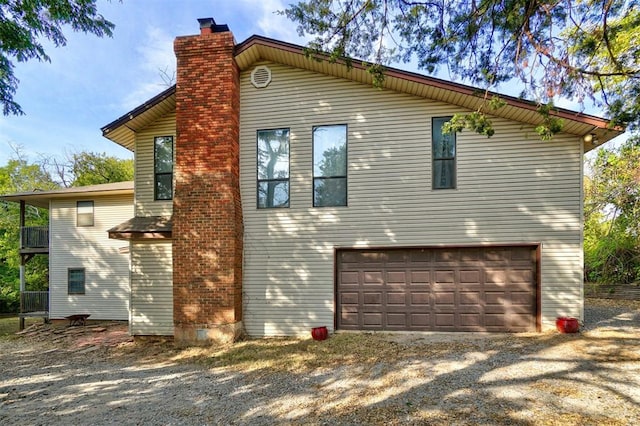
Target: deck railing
[(34, 237), (34, 301)]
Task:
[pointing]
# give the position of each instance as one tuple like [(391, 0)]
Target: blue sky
[(92, 81)]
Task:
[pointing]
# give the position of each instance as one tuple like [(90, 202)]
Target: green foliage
[(585, 50), (89, 168), (550, 125), (20, 175), (612, 215), (23, 24)]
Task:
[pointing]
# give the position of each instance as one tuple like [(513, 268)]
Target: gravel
[(588, 378)]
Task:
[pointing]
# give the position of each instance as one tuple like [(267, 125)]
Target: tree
[(612, 215), (90, 168), (87, 168), (23, 24), (20, 176), (584, 50)]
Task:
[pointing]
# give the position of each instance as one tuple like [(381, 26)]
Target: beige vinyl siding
[(106, 261), (511, 188), (144, 177), (151, 288)]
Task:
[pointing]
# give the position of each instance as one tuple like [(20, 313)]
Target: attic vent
[(261, 76)]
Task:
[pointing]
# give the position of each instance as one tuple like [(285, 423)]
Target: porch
[(33, 304), (34, 240)]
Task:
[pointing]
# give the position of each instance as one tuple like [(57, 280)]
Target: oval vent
[(261, 76)]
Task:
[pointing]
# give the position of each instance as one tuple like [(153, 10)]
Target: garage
[(438, 289)]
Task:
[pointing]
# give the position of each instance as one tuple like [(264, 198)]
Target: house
[(275, 193), (88, 272)]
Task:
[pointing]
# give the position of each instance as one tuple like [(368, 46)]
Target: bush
[(612, 259), (9, 299)]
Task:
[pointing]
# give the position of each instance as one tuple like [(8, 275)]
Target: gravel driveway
[(589, 378)]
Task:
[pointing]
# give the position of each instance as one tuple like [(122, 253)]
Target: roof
[(122, 130), (41, 198), (258, 48), (143, 227)]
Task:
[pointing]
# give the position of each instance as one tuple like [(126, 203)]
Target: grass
[(298, 355), (9, 325)]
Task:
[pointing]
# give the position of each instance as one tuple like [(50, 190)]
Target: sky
[(92, 81)]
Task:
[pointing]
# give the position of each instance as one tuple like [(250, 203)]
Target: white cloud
[(154, 57), (156, 51), (272, 24)]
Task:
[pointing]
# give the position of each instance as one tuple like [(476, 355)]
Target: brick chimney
[(207, 213)]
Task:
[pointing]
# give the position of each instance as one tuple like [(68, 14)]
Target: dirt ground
[(98, 375)]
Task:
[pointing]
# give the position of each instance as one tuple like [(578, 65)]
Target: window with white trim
[(84, 213)]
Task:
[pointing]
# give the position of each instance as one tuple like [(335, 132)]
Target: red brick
[(207, 214)]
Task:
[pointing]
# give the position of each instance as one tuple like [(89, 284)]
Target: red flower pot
[(567, 325), (319, 333)]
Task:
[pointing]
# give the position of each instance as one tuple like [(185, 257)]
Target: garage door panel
[(494, 319), (495, 276), (473, 320), (373, 277), (349, 298), (396, 257), (421, 321), (470, 255), (444, 276), (446, 255), (522, 253), (399, 277), (521, 298), (349, 278), (441, 289), (397, 320), (472, 298), (445, 320), (520, 276), (349, 316), (419, 298), (372, 298), (444, 298), (497, 255), (470, 276), (397, 298), (421, 257), (420, 277), (370, 319)]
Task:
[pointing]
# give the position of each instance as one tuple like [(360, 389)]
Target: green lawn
[(10, 324)]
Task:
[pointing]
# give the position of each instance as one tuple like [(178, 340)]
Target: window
[(75, 283), (163, 167), (84, 213), (273, 168), (330, 165), (443, 155)]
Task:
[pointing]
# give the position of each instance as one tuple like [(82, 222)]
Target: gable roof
[(259, 48), (42, 198)]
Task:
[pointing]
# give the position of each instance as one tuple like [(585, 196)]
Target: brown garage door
[(437, 289)]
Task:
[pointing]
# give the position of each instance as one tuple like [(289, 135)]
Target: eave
[(123, 129), (258, 48), (42, 198), (468, 98)]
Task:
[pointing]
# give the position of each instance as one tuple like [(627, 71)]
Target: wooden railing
[(34, 301), (34, 237)]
